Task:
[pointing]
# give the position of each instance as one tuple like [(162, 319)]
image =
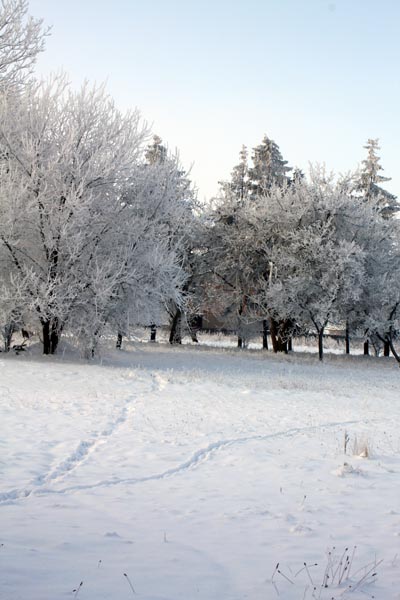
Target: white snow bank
[(194, 473)]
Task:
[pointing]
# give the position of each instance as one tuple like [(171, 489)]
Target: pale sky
[(319, 77)]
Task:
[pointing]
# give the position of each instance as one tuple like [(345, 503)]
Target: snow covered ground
[(190, 473)]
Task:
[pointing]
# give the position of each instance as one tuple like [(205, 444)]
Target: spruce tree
[(370, 178), (156, 152), (229, 254), (239, 184), (269, 168)]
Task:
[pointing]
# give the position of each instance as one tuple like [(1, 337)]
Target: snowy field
[(181, 474)]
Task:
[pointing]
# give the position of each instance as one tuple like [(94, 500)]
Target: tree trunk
[(321, 344), (240, 339), (386, 348), (347, 339), (278, 343), (46, 337), (265, 334), (8, 333), (366, 348), (175, 336), (195, 324), (51, 336), (95, 338), (290, 344), (272, 328), (118, 345), (393, 349), (54, 336), (153, 332)]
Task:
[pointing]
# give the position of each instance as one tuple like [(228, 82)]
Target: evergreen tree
[(368, 185), (269, 168), (269, 171), (229, 252), (238, 187), (156, 153), (297, 176), (370, 178)]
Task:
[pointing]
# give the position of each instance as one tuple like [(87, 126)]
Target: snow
[(191, 472)]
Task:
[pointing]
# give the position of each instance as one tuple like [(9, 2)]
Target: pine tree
[(297, 176), (269, 168), (235, 191), (239, 183), (156, 153), (370, 178), (229, 252)]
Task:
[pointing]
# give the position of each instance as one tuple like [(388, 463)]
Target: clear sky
[(319, 77)]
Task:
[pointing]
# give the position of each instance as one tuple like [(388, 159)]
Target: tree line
[(304, 253), (101, 230)]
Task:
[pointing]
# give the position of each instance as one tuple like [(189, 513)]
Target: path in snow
[(200, 456)]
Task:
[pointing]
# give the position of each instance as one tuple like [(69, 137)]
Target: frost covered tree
[(139, 266), (333, 259), (72, 229), (370, 177), (238, 187), (65, 154), (315, 268), (308, 254), (368, 184), (156, 152), (269, 168), (171, 191), (226, 259), (230, 258), (178, 208), (232, 252), (378, 308), (12, 306), (21, 40)]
